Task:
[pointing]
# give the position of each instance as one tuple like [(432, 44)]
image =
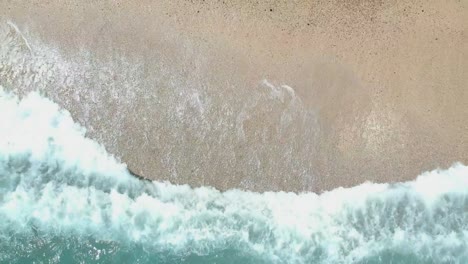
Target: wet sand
[(294, 96)]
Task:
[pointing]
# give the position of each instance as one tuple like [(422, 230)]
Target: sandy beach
[(293, 96)]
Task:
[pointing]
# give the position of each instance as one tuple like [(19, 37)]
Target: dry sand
[(272, 95)]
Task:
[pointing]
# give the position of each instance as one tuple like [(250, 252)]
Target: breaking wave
[(64, 199)]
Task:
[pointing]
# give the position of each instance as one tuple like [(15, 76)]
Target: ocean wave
[(63, 198)]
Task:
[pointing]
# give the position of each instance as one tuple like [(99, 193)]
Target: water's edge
[(64, 199)]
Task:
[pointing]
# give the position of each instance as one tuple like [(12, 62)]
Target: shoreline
[(305, 97)]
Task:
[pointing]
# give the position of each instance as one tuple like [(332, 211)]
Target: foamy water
[(63, 199)]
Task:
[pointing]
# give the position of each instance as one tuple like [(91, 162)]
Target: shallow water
[(64, 199)]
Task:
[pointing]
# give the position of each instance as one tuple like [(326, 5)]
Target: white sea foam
[(54, 179)]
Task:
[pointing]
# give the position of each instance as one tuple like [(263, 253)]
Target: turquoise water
[(63, 199)]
